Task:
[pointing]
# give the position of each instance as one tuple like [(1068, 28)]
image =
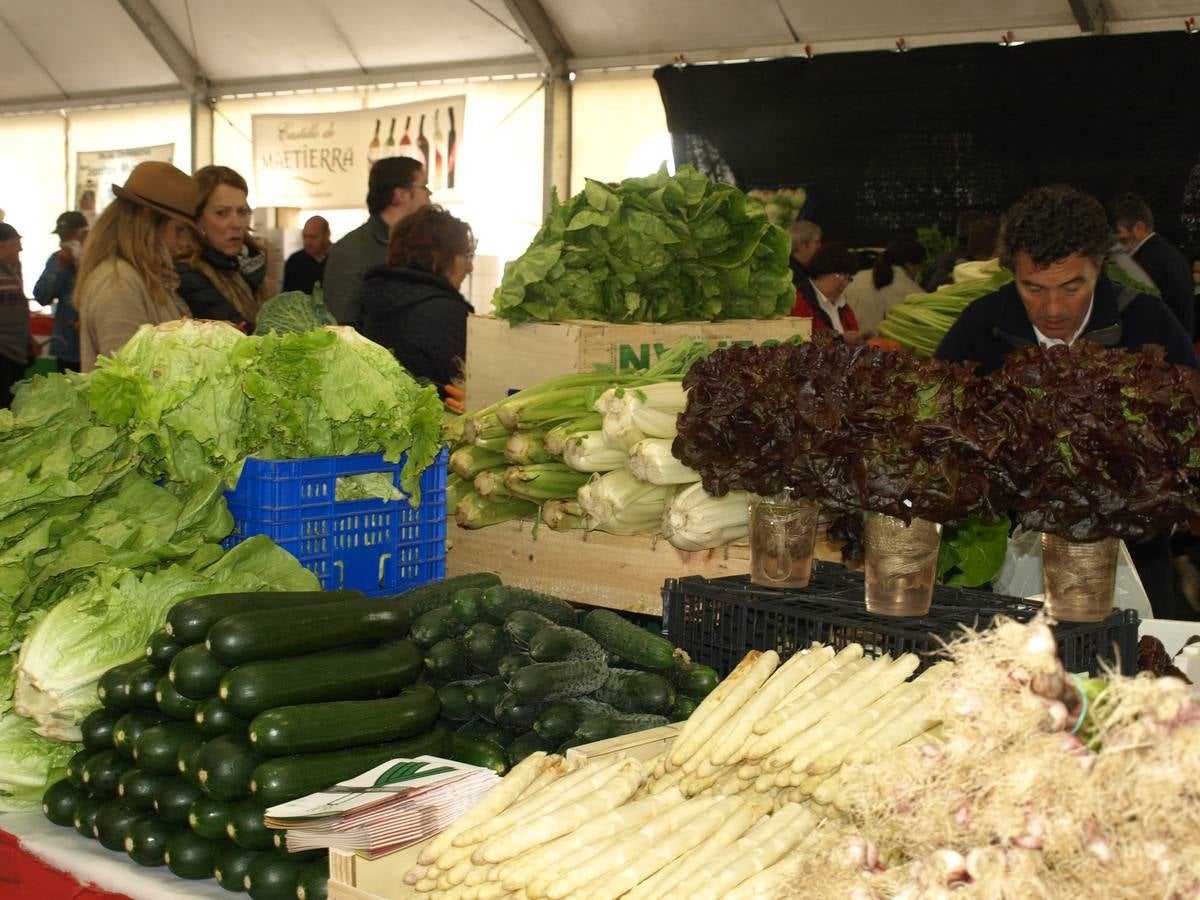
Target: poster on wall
[(96, 171), (321, 160)]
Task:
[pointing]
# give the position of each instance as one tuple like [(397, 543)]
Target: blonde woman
[(126, 278), (223, 277)]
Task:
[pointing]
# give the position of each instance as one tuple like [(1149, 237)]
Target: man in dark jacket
[(1054, 241), (1133, 223), (306, 266), (806, 241)]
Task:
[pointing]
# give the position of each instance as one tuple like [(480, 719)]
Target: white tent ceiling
[(67, 53)]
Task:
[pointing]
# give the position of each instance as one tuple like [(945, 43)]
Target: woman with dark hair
[(890, 280), (223, 276), (413, 305), (830, 271)]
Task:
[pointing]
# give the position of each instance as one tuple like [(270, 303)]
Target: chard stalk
[(526, 447), (563, 515), (695, 520), (469, 461), (457, 487), (588, 452), (620, 498), (489, 484), (543, 481), (474, 511), (651, 461), (556, 437)]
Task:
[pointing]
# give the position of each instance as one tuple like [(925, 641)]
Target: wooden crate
[(502, 358), (352, 877), (593, 568)]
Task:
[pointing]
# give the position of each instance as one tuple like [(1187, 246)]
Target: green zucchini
[(313, 881), (636, 691), (558, 721), (161, 650), (84, 818), (131, 725), (60, 800), (510, 663), (195, 672), (173, 800), (558, 680), (140, 685), (233, 862), (288, 777), (189, 620), (156, 749), (484, 697), (225, 766), (113, 821), (356, 674), (278, 633), (683, 707), (523, 624), (271, 877), (188, 759), (75, 766), (112, 688), (618, 635), (317, 727), (97, 728), (693, 679), (447, 661), (467, 605), (246, 827), (556, 643), (477, 751), (103, 771), (191, 856), (137, 788), (436, 625), (208, 817), (512, 713), (214, 718), (599, 728), (147, 839), (455, 699), (173, 703), (279, 840), (501, 600), (422, 599), (527, 743), (485, 645)]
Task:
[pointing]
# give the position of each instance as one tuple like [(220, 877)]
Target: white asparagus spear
[(769, 881), (668, 781), (416, 873), (904, 727), (425, 886), (455, 875), (848, 659), (696, 748), (683, 746)]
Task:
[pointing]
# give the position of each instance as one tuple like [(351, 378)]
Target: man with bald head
[(306, 267)]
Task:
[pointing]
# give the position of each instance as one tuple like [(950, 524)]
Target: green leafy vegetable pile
[(294, 311), (657, 249)]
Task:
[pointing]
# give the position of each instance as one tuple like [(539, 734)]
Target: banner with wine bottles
[(321, 160)]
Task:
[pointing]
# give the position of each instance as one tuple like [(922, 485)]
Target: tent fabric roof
[(112, 50)]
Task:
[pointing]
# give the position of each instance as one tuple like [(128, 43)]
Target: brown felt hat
[(164, 188)]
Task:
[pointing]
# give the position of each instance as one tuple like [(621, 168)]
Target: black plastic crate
[(718, 620)]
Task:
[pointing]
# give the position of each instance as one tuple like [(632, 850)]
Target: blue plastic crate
[(373, 546)]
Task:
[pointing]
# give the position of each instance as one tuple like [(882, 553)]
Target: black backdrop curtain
[(886, 142)]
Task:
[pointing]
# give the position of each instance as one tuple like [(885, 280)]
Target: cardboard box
[(502, 358)]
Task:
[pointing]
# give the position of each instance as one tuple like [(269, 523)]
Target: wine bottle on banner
[(451, 150), (374, 147), (423, 144), (438, 140), (406, 147), (389, 146)]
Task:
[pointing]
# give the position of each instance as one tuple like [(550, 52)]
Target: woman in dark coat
[(412, 305)]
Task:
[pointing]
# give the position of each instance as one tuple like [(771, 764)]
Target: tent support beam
[(1091, 15), (556, 142), (202, 132), (167, 44), (541, 35)]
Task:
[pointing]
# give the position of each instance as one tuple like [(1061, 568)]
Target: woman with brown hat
[(223, 277), (126, 278)]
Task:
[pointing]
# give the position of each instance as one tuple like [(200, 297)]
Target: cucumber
[(522, 625), (246, 827), (487, 731), (225, 766), (233, 862), (208, 817), (477, 752), (279, 841), (112, 823), (556, 643), (173, 800), (317, 727), (137, 788), (161, 649), (693, 679), (512, 713), (278, 633), (356, 674), (288, 777), (84, 818), (97, 728), (60, 800), (467, 605), (103, 771), (140, 686), (195, 672), (485, 645), (313, 881), (214, 718), (189, 620), (147, 839), (271, 877), (599, 728), (188, 760), (447, 661), (75, 766), (501, 600), (131, 725), (157, 747), (191, 856), (436, 625), (558, 680), (568, 744), (455, 699), (511, 662), (527, 743), (618, 635), (558, 721), (635, 691), (484, 697), (173, 703), (683, 707), (420, 600), (111, 686)]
